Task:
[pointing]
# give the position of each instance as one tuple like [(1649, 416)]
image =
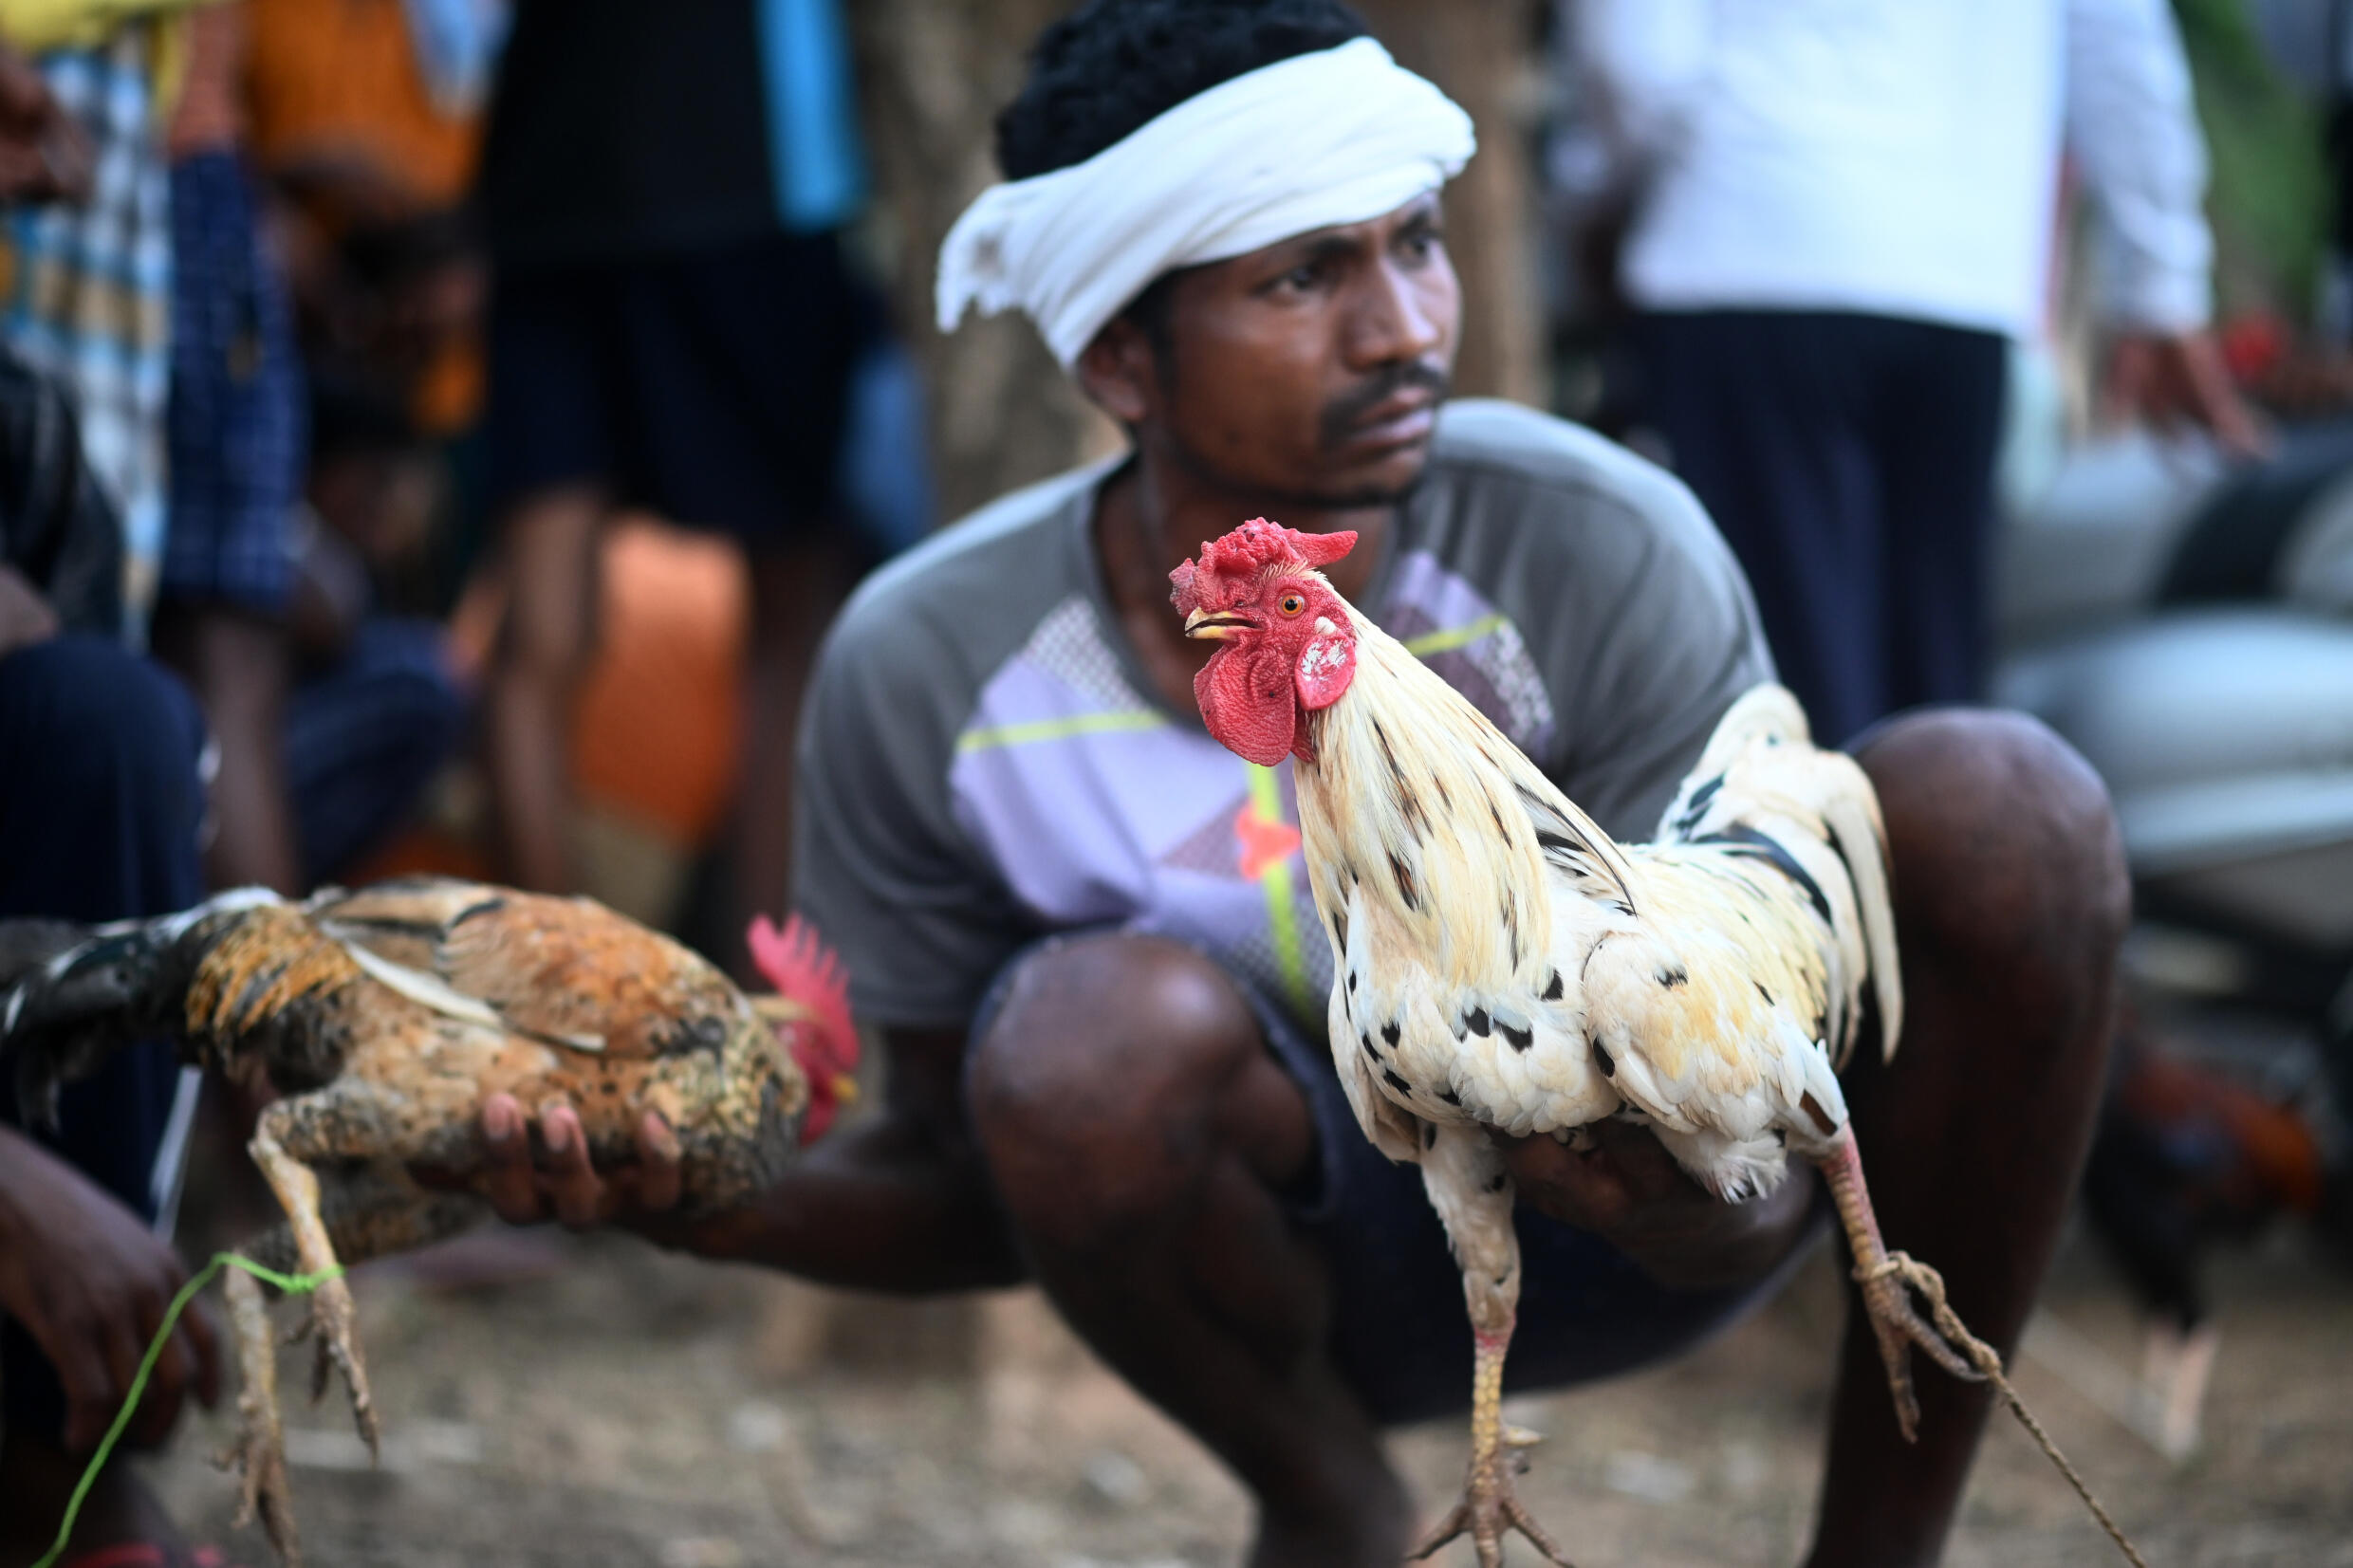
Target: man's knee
[(93, 714), (1093, 1091), (2003, 844)]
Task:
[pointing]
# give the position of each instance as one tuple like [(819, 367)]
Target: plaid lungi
[(86, 291)]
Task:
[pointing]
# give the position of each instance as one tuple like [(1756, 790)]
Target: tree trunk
[(1481, 53), (934, 74)]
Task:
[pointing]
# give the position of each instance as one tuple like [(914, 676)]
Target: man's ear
[(1117, 371)]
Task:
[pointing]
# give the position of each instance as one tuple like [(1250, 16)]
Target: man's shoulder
[(982, 579), (1546, 485)]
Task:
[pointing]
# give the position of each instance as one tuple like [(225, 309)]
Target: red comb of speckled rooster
[(803, 970), (1230, 563)]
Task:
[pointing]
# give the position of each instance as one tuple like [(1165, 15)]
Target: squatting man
[(1082, 925)]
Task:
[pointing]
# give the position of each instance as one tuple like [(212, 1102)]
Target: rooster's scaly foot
[(335, 1321), (1488, 1511), (259, 1456), (1898, 1326)]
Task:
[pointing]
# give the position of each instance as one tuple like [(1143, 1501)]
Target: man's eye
[(1291, 605)]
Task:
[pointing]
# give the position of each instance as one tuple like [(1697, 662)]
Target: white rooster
[(1500, 964)]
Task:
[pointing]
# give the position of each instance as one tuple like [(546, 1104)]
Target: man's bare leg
[(2011, 898), (1138, 1131), (551, 541)]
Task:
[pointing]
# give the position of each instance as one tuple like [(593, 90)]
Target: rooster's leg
[(371, 1214), (260, 1454), (1894, 1321), (279, 1141), (1465, 1178)]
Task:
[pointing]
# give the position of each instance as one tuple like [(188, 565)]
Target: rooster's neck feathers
[(1416, 799)]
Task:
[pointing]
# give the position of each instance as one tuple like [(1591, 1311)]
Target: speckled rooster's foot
[(334, 1320), (259, 1456), (1491, 1509), (1899, 1327)]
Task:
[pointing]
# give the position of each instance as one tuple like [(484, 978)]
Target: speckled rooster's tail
[(72, 995)]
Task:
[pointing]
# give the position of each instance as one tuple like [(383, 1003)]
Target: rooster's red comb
[(803, 969), (1230, 562)]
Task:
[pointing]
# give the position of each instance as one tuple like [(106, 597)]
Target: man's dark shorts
[(707, 386), (1400, 1332)]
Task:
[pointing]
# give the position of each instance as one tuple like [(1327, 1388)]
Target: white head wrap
[(1339, 135)]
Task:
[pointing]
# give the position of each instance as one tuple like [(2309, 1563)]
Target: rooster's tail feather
[(1764, 712), (63, 1015), (1851, 809), (71, 996)]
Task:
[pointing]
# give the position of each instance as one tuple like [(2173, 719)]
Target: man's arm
[(900, 1202), (90, 1283), (2132, 123)]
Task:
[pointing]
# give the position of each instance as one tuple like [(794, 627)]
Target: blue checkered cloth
[(237, 421), (85, 292)]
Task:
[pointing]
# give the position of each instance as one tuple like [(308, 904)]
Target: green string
[(292, 1285)]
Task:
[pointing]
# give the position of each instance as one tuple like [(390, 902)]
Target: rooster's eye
[(1291, 605)]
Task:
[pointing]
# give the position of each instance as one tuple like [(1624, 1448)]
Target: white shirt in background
[(1900, 157)]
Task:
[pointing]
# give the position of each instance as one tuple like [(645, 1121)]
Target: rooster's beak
[(1201, 623)]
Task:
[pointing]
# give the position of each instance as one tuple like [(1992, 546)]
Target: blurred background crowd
[(433, 435)]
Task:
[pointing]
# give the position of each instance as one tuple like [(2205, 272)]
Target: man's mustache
[(1346, 413)]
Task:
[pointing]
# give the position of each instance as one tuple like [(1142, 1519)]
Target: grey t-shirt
[(983, 759)]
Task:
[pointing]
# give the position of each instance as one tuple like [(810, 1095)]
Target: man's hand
[(45, 156), (25, 615), (1627, 1189), (91, 1284), (568, 1187), (2174, 382)]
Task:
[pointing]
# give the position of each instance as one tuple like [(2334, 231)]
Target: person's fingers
[(571, 1178), (120, 1352), (1572, 1185), (2216, 403), (506, 1180), (168, 1379), (658, 1164), (81, 1368), (160, 1401)]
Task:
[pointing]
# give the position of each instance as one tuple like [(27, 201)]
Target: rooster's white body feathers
[(1500, 963)]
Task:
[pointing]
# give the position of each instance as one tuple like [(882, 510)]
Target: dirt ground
[(628, 1407)]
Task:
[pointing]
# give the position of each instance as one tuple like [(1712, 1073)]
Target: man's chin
[(1386, 483)]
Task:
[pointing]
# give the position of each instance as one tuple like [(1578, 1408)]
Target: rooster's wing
[(566, 970)]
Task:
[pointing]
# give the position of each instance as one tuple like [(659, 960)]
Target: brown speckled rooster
[(1501, 965), (383, 1018)]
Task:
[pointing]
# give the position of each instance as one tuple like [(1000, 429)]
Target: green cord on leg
[(292, 1285)]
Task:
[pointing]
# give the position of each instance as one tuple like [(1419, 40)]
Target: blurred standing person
[(99, 801), (86, 287), (234, 438), (330, 719), (1841, 210), (673, 326)]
